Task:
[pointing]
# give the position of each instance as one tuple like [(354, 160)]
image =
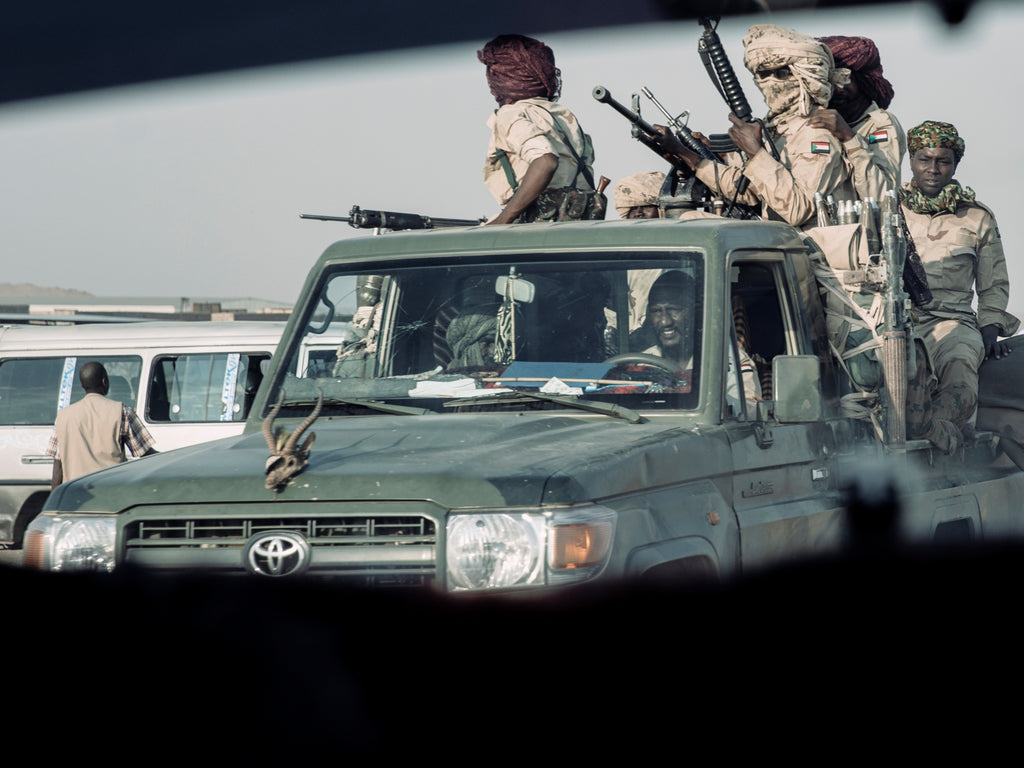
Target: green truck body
[(551, 452)]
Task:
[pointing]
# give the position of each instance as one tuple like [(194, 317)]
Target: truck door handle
[(36, 459)]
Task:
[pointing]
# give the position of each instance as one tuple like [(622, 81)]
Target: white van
[(189, 382)]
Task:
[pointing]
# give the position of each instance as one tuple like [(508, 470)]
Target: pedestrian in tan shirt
[(94, 432)]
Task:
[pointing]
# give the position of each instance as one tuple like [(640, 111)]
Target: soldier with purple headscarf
[(873, 139), (539, 163)]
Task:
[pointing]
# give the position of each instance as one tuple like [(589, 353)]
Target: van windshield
[(623, 328)]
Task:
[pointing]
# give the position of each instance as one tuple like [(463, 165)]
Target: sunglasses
[(782, 73)]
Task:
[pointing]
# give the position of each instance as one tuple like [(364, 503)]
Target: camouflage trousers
[(955, 351), (919, 395), (922, 421)]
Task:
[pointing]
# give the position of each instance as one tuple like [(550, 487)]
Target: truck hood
[(456, 460)]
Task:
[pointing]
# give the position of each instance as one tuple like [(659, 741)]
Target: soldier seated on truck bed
[(959, 244)]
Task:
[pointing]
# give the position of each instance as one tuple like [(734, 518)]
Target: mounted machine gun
[(372, 219)]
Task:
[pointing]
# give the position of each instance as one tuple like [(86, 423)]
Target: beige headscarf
[(767, 46), (638, 189)]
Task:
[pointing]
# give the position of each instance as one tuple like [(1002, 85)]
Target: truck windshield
[(624, 329)]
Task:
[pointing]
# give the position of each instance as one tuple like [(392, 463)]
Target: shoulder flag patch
[(878, 136), (820, 147)]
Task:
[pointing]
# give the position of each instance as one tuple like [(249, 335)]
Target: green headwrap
[(932, 134)]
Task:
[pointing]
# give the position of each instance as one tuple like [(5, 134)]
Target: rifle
[(896, 335), (682, 189), (648, 135), (718, 143), (372, 219), (643, 131), (720, 70)]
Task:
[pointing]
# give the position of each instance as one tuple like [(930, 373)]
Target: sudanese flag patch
[(820, 148), (877, 137)]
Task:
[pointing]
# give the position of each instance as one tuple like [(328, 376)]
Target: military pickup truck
[(514, 409)]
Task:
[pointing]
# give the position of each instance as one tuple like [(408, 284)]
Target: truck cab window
[(523, 324)]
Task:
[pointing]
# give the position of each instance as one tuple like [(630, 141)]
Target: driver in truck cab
[(670, 304)]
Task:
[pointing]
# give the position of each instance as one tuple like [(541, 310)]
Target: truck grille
[(366, 550), (332, 531)]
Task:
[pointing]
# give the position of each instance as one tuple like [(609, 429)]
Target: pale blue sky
[(194, 188)]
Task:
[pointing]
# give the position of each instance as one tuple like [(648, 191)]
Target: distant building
[(139, 307)]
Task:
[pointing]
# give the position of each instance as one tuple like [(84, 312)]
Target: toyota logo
[(276, 553)]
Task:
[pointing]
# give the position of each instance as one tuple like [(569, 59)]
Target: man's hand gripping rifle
[(370, 219)]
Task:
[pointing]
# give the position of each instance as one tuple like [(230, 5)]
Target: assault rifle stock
[(372, 219)]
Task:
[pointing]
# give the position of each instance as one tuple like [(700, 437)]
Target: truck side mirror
[(796, 388)]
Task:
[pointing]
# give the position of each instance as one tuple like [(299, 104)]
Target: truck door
[(784, 485)]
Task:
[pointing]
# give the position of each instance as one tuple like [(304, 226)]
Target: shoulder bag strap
[(506, 166), (580, 165)]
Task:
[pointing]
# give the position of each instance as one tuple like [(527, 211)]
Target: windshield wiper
[(594, 406), (370, 405)]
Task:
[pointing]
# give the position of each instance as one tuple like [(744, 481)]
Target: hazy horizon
[(194, 187)]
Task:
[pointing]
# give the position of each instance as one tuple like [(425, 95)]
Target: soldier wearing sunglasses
[(795, 74)]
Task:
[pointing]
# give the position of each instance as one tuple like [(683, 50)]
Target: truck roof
[(713, 234)]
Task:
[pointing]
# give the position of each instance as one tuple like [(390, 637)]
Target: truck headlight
[(71, 543), (501, 549)]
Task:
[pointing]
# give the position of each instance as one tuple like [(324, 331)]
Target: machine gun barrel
[(604, 96), (323, 218), (645, 133), (374, 219)]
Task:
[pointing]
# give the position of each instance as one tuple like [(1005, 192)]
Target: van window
[(320, 362), (204, 387), (32, 389)]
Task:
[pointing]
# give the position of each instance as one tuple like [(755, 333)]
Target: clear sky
[(194, 188)]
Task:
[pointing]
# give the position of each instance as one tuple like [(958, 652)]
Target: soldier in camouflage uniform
[(959, 245), (539, 161), (795, 73)]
